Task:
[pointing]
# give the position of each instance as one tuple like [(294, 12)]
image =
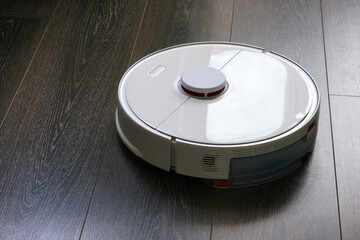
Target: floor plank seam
[(93, 190), (29, 65), (211, 229), (138, 31), (102, 157), (46, 193), (344, 95), (232, 20), (330, 118)]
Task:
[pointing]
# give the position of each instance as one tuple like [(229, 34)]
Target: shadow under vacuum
[(228, 206)]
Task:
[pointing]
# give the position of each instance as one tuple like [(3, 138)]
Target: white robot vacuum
[(231, 114)]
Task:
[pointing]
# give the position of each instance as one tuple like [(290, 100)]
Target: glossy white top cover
[(266, 94)]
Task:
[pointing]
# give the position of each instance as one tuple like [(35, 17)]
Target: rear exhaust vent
[(208, 163)]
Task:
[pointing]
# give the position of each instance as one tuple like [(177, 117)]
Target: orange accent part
[(311, 127), (221, 182), (215, 93), (196, 94)]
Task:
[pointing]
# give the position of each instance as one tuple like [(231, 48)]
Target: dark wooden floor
[(64, 173)]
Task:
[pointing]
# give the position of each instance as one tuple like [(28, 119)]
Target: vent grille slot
[(208, 163)]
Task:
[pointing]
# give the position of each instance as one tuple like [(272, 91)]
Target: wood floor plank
[(19, 38), (132, 199), (169, 23), (302, 205), (27, 9), (342, 41), (345, 119), (53, 139)]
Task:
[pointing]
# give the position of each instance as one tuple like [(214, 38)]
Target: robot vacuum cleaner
[(231, 114)]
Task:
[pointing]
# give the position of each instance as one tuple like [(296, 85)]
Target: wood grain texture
[(19, 38), (53, 138), (21, 29), (342, 41), (60, 134), (27, 8), (345, 119), (168, 23), (132, 199), (302, 205)]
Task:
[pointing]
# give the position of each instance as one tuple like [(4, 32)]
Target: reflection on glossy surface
[(154, 97), (219, 57), (266, 97), (256, 104)]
